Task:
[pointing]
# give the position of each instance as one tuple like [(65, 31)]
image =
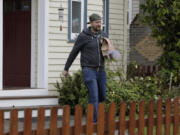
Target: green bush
[(163, 17), (72, 90)]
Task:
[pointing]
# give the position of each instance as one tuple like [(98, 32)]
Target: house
[(143, 48), (35, 43)]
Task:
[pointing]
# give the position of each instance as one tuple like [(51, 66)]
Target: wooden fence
[(133, 124), (147, 70)]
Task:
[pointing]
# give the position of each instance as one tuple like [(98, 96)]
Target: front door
[(16, 43)]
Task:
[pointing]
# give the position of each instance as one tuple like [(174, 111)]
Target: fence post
[(111, 119), (150, 117), (149, 70), (89, 119), (53, 121), (66, 120), (78, 120), (143, 70), (14, 122), (132, 118), (40, 121), (159, 118), (154, 69), (141, 118), (168, 117), (28, 122), (1, 122), (122, 118), (101, 118), (176, 116)]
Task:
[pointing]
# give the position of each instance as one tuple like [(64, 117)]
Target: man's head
[(95, 22)]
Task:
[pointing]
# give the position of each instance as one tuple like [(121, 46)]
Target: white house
[(34, 46)]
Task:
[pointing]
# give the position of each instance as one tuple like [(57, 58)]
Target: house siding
[(59, 47), (135, 8), (118, 28)]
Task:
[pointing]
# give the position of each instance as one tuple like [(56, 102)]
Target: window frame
[(72, 36), (106, 15)]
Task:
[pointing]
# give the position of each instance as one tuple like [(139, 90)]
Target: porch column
[(1, 44), (43, 6)]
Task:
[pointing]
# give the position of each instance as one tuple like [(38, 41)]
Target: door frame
[(42, 61)]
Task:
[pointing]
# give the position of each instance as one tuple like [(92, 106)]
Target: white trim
[(1, 44), (43, 15), (74, 35), (104, 12), (130, 11), (43, 6), (33, 10), (24, 92)]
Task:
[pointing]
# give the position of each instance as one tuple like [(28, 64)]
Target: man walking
[(92, 61)]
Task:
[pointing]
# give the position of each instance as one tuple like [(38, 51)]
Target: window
[(105, 18), (17, 5), (77, 17)]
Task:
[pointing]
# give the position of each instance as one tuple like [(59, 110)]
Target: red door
[(17, 43)]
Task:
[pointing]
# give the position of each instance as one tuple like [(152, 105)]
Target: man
[(92, 61)]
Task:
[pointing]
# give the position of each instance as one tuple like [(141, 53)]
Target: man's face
[(96, 25)]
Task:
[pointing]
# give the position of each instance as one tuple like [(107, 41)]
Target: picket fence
[(160, 114), (147, 70)]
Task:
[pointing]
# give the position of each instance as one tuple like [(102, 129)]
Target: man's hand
[(65, 73)]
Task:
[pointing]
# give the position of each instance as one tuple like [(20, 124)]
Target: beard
[(97, 28)]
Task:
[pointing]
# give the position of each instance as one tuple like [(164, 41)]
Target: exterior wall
[(135, 8), (118, 28), (144, 48), (59, 47)]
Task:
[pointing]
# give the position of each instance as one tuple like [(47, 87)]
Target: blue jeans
[(95, 82)]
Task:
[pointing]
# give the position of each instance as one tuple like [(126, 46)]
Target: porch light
[(61, 16)]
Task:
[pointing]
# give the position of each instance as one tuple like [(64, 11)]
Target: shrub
[(163, 16), (72, 90)]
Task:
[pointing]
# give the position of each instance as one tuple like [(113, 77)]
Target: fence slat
[(1, 122), (154, 69), (159, 117), (168, 117), (28, 122), (148, 70), (143, 70), (89, 119), (122, 118), (66, 120), (101, 118), (14, 122), (111, 119), (150, 117), (176, 116), (138, 70), (40, 121), (132, 118), (53, 121), (78, 120), (141, 118)]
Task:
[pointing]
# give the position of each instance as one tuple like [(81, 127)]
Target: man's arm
[(74, 52)]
